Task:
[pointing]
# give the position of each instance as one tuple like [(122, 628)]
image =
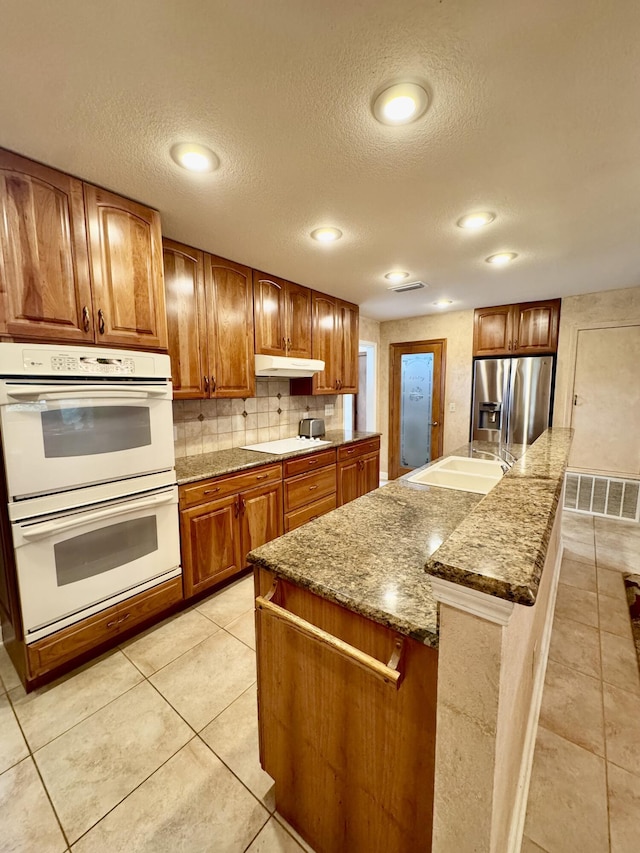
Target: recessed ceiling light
[(397, 275), (476, 220), (326, 235), (442, 303), (194, 157), (501, 258), (400, 104)]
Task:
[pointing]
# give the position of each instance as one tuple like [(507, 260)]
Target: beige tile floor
[(154, 746)]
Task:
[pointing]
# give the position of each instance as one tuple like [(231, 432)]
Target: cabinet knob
[(101, 321), (86, 319)]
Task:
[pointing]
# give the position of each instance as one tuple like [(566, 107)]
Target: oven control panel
[(67, 362)]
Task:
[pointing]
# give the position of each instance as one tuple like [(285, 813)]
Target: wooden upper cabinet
[(45, 290), (526, 328), (269, 309), (324, 343), (347, 328), (126, 264), (229, 297), (298, 320), (186, 319), (282, 312), (536, 326), (492, 330)]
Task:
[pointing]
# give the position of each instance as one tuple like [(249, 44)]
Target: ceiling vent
[(412, 285)]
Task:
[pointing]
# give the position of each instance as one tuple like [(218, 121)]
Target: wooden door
[(186, 320), (45, 289), (210, 540), (369, 473), (269, 313), (348, 346), (126, 267), (298, 320), (229, 296), (348, 481), (536, 327), (261, 517), (493, 330), (416, 428), (324, 343), (606, 410)]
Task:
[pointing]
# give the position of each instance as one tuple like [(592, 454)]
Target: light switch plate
[(452, 407)]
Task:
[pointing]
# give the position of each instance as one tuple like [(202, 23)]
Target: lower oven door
[(73, 565)]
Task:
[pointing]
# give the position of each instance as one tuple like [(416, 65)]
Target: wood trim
[(480, 604), (394, 412)]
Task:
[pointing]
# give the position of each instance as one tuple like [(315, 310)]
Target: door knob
[(434, 423)]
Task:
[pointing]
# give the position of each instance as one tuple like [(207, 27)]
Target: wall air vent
[(610, 497), (412, 285)]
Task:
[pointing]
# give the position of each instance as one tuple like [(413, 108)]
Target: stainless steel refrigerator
[(512, 398)]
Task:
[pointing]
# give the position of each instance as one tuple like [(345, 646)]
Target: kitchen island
[(401, 661)]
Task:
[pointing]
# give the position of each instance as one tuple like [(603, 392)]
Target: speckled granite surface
[(369, 555), (190, 469), (501, 546)]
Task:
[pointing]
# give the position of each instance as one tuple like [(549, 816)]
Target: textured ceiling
[(534, 116)]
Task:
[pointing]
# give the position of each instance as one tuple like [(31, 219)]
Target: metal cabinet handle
[(515, 346), (242, 504), (509, 347), (206, 384), (211, 491), (213, 384), (101, 321), (86, 319), (353, 450), (261, 476), (236, 507), (284, 344), (288, 343), (312, 488)]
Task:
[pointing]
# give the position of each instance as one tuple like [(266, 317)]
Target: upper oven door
[(63, 436)]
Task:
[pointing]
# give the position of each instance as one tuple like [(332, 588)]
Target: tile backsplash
[(201, 426)]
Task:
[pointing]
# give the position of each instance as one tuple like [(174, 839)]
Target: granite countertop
[(190, 469), (501, 546), (370, 555)]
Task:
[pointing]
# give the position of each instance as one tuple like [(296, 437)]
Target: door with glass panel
[(416, 404)]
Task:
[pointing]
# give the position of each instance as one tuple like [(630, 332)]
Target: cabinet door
[(298, 314), (45, 289), (324, 341), (536, 327), (210, 538), (348, 481), (261, 517), (492, 330), (229, 296), (348, 346), (269, 310), (126, 268), (186, 320), (369, 473)]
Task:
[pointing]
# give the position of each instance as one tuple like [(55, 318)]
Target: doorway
[(606, 401), (360, 408), (416, 404)]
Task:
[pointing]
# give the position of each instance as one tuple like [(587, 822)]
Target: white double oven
[(87, 439)]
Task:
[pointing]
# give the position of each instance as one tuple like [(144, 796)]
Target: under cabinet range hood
[(285, 368)]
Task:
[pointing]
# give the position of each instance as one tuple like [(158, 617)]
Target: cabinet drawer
[(309, 463), (359, 448), (302, 490), (221, 487), (308, 513), (71, 642)]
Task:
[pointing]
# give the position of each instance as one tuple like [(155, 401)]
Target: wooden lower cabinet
[(72, 642), (347, 723), (310, 490), (216, 535), (358, 470)]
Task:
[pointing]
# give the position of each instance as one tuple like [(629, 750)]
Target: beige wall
[(457, 328), (609, 307), (369, 330)]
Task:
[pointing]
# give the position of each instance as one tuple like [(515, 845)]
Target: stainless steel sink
[(462, 473)]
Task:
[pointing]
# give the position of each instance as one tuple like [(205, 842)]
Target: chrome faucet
[(504, 463)]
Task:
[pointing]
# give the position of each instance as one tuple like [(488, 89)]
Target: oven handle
[(101, 392), (39, 531)]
